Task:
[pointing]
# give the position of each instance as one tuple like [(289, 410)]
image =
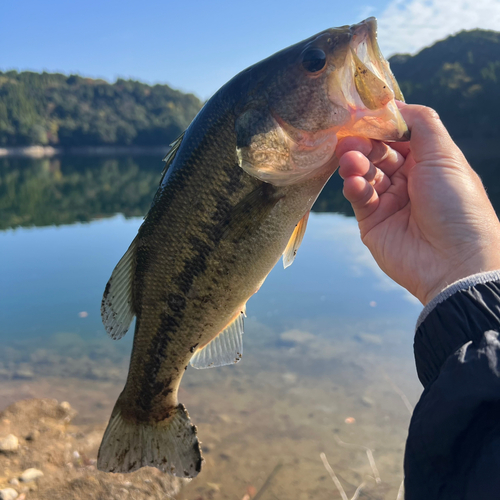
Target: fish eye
[(313, 60)]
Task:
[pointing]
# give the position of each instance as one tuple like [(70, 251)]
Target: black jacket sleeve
[(453, 446)]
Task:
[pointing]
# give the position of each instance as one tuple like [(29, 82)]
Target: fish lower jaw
[(383, 124)]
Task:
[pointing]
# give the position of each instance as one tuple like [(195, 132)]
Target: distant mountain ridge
[(68, 111), (460, 78)]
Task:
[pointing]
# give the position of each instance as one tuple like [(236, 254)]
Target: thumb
[(430, 141)]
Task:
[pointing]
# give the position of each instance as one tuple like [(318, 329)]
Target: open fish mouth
[(366, 52), (366, 87)]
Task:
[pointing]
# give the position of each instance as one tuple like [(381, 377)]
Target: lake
[(327, 359)]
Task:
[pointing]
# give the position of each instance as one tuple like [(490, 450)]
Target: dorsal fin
[(116, 306), (225, 349), (295, 241), (169, 157)]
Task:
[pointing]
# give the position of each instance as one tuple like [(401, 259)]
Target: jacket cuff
[(460, 313)]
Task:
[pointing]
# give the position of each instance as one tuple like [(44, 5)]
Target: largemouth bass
[(234, 197)]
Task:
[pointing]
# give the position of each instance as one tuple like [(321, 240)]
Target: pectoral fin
[(225, 349), (116, 307), (295, 241), (251, 211)]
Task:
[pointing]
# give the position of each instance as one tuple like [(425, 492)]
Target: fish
[(233, 199)]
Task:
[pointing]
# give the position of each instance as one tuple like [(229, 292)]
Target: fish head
[(366, 87), (301, 100)]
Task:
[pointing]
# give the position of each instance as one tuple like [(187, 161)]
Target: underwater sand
[(294, 395)]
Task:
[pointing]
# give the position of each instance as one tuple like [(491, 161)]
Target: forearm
[(453, 446), (460, 313)]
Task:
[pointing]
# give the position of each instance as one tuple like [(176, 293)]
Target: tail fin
[(170, 445)]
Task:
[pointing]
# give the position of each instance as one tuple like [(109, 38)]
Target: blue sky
[(197, 46)]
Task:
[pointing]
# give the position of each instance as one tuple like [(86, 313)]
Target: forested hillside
[(58, 110), (460, 78)]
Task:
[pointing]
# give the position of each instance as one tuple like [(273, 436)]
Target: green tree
[(55, 109)]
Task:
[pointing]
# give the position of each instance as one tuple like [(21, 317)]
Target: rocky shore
[(43, 456)]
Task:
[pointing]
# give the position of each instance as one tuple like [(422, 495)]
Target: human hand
[(421, 209)]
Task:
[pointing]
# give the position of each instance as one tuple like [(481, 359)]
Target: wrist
[(460, 274), (463, 284)]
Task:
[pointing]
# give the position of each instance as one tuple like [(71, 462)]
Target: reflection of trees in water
[(42, 192)]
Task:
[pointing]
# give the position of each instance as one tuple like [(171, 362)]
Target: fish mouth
[(368, 88)]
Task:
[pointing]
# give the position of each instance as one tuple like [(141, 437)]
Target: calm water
[(328, 341)]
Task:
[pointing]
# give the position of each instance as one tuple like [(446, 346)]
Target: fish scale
[(236, 193)]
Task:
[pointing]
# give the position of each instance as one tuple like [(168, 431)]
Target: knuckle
[(379, 152), (429, 114)]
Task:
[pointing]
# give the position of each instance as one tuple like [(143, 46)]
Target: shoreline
[(49, 151), (475, 148)]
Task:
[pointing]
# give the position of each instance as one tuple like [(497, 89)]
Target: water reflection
[(68, 189), (57, 273)]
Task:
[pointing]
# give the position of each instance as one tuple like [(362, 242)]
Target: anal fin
[(295, 241), (225, 349)]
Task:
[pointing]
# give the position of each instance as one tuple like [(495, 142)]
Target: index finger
[(352, 143)]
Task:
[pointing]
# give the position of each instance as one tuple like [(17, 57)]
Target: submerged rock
[(24, 372), (8, 494), (289, 378), (9, 444), (368, 402), (30, 475), (369, 338)]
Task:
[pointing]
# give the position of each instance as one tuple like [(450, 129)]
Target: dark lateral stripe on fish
[(194, 266), (151, 387), (178, 178), (170, 320), (229, 182), (176, 302)]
